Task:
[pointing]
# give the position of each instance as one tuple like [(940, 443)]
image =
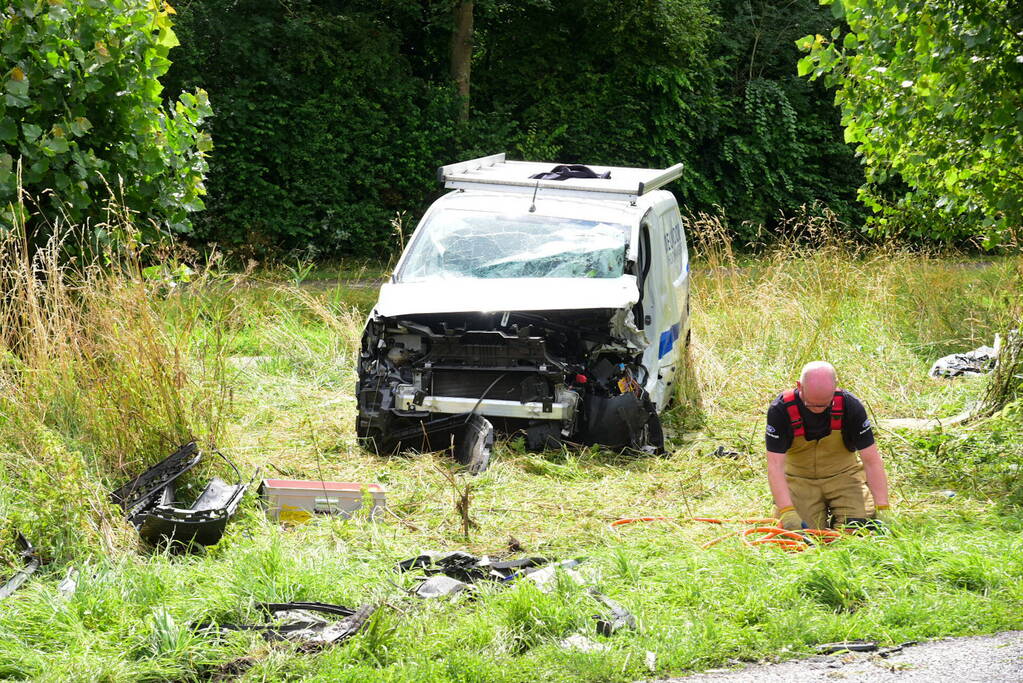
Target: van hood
[(506, 294)]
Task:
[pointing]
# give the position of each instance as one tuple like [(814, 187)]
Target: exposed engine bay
[(552, 376)]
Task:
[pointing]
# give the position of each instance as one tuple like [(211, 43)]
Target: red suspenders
[(837, 410)]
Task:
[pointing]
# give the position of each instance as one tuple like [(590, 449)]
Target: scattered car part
[(455, 572), (615, 618), (148, 502), (203, 522), (847, 646), (552, 307), (468, 568), (295, 500), (722, 452), (30, 558), (439, 585), (297, 622), (143, 491), (976, 362)]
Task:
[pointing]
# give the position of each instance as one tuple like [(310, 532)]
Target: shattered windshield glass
[(475, 244)]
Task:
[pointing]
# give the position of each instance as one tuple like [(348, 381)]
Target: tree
[(932, 91), (81, 115), (461, 51)]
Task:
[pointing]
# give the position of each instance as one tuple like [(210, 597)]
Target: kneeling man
[(813, 435)]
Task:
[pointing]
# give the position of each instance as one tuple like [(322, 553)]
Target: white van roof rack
[(496, 173)]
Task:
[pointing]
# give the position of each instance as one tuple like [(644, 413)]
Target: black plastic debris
[(149, 502), (467, 568), (456, 572), (299, 622), (889, 651), (976, 362), (141, 493), (862, 646), (31, 560), (847, 646)]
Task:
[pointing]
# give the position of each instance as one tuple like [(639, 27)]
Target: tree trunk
[(1005, 384), (461, 52)]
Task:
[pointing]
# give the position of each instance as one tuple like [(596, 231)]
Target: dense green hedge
[(330, 117)]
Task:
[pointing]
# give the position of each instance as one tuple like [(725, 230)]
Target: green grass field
[(102, 375)]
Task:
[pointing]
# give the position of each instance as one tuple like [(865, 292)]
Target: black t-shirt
[(856, 431)]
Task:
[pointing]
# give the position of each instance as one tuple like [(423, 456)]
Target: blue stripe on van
[(668, 339)]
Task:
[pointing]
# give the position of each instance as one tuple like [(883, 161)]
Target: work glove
[(789, 519)]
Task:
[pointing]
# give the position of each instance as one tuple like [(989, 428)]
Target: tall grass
[(268, 370), (101, 374), (881, 315)]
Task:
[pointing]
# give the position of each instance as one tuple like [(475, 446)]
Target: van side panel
[(671, 317)]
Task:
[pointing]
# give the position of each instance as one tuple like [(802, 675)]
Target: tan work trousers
[(827, 482)]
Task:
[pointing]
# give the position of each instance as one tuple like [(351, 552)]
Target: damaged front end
[(427, 380)]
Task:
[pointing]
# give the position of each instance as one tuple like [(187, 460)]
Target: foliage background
[(931, 94), (330, 117), (83, 116)]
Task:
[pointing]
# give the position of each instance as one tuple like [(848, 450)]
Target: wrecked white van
[(550, 301)]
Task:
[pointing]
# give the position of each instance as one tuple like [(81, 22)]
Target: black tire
[(474, 443)]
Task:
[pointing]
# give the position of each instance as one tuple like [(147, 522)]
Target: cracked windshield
[(473, 244)]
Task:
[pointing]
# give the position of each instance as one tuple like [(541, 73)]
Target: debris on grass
[(977, 362), (148, 502), (440, 585), (615, 618), (31, 559), (468, 568), (299, 622)]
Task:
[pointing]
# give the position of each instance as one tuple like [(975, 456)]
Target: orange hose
[(768, 527), (631, 520)]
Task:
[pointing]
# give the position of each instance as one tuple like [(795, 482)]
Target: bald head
[(817, 383)]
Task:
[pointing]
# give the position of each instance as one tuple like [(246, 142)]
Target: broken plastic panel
[(471, 244), (149, 502), (202, 523), (143, 491)]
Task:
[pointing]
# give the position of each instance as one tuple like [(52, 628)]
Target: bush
[(82, 116)]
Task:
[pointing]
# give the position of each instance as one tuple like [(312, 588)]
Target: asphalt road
[(978, 659)]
